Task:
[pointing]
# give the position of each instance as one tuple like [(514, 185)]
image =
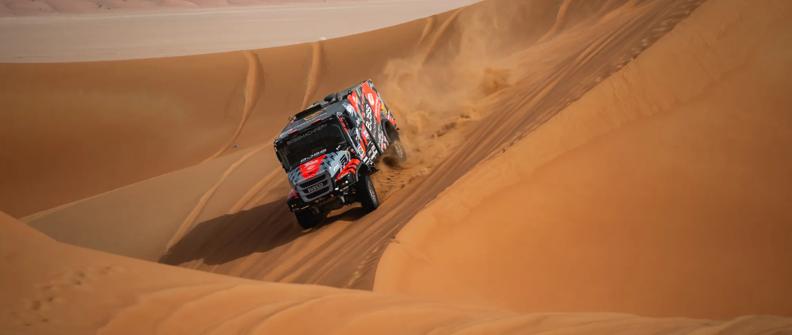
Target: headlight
[(344, 181)]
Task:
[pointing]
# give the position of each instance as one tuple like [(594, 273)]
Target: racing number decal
[(368, 119), (374, 102), (366, 102), (371, 150), (364, 110)]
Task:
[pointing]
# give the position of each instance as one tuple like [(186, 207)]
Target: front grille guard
[(324, 183)]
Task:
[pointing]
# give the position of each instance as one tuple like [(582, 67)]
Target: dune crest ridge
[(59, 7)]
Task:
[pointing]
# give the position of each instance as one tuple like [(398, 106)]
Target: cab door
[(362, 138), (373, 115)]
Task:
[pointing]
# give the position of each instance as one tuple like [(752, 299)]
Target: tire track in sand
[(431, 45), (248, 197), (254, 82), (430, 22), (560, 21), (312, 80), (188, 222)]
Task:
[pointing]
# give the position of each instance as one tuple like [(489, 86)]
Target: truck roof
[(316, 113)]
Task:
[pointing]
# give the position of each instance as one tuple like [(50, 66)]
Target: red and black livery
[(330, 150)]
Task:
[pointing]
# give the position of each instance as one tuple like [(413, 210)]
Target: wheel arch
[(391, 130)]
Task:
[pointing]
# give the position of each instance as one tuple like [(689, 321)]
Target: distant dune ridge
[(162, 31), (54, 7), (573, 164)]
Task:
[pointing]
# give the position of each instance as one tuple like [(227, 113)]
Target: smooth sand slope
[(170, 160), (665, 190), (86, 292)]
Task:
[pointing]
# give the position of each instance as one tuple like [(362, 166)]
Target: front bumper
[(340, 194)]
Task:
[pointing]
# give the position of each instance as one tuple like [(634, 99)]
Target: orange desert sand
[(593, 167)]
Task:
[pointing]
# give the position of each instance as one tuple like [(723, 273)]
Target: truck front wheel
[(308, 218), (366, 193)]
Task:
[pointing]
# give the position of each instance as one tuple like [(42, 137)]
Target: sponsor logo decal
[(351, 167), (353, 100), (310, 168)]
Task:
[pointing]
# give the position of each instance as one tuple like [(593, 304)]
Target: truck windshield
[(325, 137)]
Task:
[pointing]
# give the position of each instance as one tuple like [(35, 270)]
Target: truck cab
[(330, 150)]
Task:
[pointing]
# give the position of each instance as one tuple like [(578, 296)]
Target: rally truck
[(330, 150)]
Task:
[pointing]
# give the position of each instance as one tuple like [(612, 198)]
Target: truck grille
[(315, 188)]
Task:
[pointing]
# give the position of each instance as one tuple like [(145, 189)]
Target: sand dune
[(87, 292), (108, 124), (226, 214), (663, 191), (561, 161)]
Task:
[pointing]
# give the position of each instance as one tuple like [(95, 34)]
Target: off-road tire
[(308, 218), (397, 150), (396, 155), (366, 193)]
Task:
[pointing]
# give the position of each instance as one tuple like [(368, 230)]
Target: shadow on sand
[(259, 229)]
